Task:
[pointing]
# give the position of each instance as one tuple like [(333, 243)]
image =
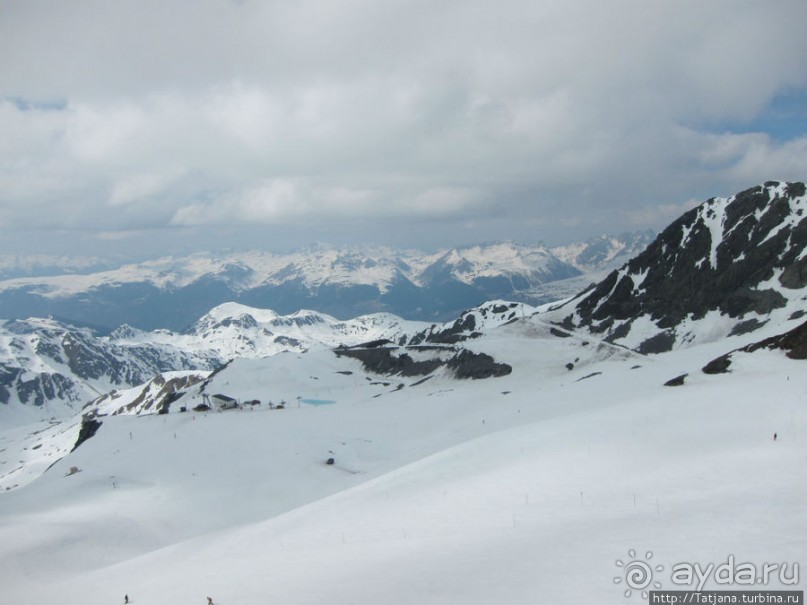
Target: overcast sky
[(152, 127)]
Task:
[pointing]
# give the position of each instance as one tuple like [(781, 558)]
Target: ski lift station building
[(224, 402)]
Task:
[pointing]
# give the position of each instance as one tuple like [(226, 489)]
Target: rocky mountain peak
[(740, 258)]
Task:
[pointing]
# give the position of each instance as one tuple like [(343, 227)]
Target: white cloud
[(785, 161), (653, 216), (132, 188), (250, 115), (445, 201), (283, 201), (100, 133), (535, 112)]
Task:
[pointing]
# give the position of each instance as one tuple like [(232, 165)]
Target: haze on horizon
[(140, 128)]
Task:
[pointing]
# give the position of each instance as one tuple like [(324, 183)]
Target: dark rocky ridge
[(167, 392), (469, 324), (761, 234), (396, 361)]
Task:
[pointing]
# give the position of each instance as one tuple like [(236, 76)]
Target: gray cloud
[(521, 119)]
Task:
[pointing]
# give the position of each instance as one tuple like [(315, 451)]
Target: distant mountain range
[(167, 465), (605, 252), (172, 293), (726, 268)]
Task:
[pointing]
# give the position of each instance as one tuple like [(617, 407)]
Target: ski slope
[(521, 489)]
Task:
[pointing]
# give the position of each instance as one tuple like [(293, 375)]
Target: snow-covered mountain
[(58, 367), (44, 362), (594, 258), (403, 489), (728, 266), (603, 253), (511, 454), (173, 292), (236, 330)]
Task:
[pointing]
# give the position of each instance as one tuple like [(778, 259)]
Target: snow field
[(445, 492)]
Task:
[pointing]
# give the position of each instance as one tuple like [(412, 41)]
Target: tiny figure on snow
[(126, 598), (775, 436), (209, 601)]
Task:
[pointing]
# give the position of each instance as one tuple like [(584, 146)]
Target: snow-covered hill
[(173, 292), (728, 266)]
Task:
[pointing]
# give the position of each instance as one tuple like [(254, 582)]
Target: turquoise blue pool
[(318, 401)]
